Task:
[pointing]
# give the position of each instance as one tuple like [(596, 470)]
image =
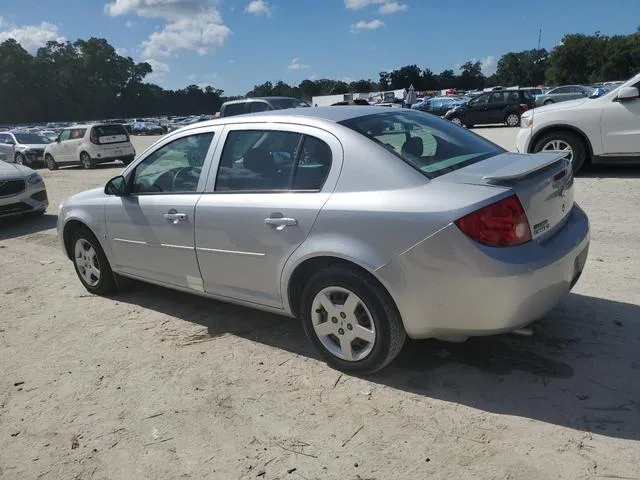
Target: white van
[(88, 145)]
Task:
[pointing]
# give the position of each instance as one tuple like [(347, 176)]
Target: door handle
[(280, 222), (175, 218)]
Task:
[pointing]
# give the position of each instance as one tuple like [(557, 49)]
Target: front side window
[(480, 100), (174, 168), (257, 160), (65, 135), (429, 144), (560, 90)]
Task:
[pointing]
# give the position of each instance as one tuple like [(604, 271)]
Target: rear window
[(234, 109), (107, 130), (282, 103), (429, 144)]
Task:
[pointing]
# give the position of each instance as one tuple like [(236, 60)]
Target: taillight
[(93, 138), (524, 107), (501, 224)]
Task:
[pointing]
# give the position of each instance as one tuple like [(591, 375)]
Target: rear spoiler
[(528, 165)]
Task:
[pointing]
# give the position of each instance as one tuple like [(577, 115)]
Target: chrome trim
[(123, 240), (231, 252), (184, 247)]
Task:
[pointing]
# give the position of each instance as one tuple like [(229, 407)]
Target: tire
[(50, 162), (91, 264), (127, 160), (512, 119), (86, 161), (373, 313), (469, 125), (558, 140), (456, 120), (548, 102), (20, 159)]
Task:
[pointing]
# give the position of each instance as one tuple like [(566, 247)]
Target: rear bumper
[(450, 287)]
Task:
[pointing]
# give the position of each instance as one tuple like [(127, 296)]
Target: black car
[(259, 104), (502, 106)]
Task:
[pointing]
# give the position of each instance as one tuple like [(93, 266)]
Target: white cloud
[(121, 51), (296, 65), (190, 24), (313, 77), (130, 23), (258, 7), (392, 7), (160, 69), (358, 4), (31, 37), (362, 25), (489, 65)]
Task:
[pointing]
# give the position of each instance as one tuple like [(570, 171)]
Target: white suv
[(591, 130), (89, 145)]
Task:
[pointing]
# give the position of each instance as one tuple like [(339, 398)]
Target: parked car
[(259, 104), (563, 94), (357, 101), (590, 130), (146, 128), (500, 106), (439, 105), (27, 148), (22, 191), (90, 144), (367, 223)]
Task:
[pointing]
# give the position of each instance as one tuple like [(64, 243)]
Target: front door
[(150, 230), (476, 110), (621, 127), (260, 206), (60, 150)]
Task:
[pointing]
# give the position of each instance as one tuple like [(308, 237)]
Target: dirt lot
[(161, 385)]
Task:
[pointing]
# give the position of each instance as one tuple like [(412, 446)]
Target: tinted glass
[(282, 103), (257, 160), (173, 168), (4, 138), (30, 138), (235, 109), (65, 135), (479, 100), (314, 164), (429, 144), (560, 90), (258, 107), (77, 133), (108, 130)]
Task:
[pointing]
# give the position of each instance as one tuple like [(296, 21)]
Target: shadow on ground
[(610, 171), (25, 225), (579, 370)]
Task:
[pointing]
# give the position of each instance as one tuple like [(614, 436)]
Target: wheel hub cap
[(343, 323), (86, 260), (559, 145)]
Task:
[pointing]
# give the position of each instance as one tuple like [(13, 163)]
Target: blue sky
[(235, 44)]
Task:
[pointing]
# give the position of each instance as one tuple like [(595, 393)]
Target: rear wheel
[(351, 320), (512, 120), (86, 160), (548, 102), (91, 264), (456, 120), (567, 142), (51, 163), (127, 160)]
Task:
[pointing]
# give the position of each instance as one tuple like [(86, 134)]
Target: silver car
[(22, 190), (563, 94), (370, 224), (27, 147)]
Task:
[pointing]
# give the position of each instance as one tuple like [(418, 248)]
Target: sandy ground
[(155, 384)]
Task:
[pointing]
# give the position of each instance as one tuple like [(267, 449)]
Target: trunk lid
[(542, 181)]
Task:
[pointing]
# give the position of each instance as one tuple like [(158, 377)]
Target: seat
[(413, 146)]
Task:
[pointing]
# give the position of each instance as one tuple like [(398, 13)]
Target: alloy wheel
[(86, 259), (456, 120), (559, 145), (343, 323), (513, 120)]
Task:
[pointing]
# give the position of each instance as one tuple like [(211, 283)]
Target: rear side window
[(234, 109), (258, 107), (429, 144), (77, 133), (271, 160)]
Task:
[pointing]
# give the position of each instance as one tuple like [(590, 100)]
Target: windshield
[(429, 144), (282, 103), (31, 138)]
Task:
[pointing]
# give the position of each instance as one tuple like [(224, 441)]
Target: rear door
[(260, 204), (621, 127), (7, 148), (496, 107), (73, 144)]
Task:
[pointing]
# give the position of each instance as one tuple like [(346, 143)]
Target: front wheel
[(351, 320), (548, 102), (51, 163), (456, 120), (91, 264), (566, 142), (512, 120)]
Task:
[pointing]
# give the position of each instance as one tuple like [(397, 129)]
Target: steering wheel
[(177, 178)]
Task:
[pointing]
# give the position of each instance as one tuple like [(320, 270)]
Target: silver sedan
[(371, 225), (22, 191)]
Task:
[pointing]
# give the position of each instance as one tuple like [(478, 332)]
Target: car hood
[(87, 195), (28, 146), (12, 170), (562, 105)]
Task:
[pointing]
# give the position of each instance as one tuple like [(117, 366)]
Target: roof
[(253, 99), (333, 114)]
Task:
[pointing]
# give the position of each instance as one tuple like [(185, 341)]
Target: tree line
[(88, 79)]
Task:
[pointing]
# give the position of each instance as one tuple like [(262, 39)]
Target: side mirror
[(627, 93), (116, 186), (57, 140)]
